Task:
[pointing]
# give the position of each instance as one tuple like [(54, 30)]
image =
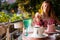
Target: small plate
[(50, 32), (53, 32), (37, 36)]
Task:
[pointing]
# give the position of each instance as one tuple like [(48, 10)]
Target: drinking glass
[(27, 23)]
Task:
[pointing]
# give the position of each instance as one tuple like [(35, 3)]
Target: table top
[(31, 38), (22, 37), (50, 37)]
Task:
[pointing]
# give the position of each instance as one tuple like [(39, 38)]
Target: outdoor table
[(49, 37)]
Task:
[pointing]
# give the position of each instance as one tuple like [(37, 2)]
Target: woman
[(47, 13)]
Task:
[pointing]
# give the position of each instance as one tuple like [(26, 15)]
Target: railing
[(11, 34), (8, 35)]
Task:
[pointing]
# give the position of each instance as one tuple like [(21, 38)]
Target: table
[(31, 38), (49, 37)]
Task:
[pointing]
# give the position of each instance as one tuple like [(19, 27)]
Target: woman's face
[(46, 7)]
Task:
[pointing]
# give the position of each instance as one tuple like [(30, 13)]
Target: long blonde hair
[(51, 11)]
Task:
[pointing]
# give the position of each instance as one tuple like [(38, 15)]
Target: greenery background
[(30, 5)]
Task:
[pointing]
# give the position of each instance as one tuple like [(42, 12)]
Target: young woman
[(47, 13)]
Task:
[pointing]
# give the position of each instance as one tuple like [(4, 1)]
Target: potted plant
[(17, 20), (4, 18)]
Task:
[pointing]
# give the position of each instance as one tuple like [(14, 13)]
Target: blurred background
[(27, 5)]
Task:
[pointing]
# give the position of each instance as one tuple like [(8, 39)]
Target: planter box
[(18, 24)]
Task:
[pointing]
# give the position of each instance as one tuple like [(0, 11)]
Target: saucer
[(50, 32), (37, 36)]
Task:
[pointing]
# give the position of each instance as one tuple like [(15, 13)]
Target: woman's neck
[(45, 15)]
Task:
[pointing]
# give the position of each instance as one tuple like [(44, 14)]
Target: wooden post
[(7, 33)]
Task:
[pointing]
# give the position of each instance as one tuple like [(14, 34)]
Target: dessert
[(51, 28)]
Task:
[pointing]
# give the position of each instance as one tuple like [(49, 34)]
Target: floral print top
[(49, 21)]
